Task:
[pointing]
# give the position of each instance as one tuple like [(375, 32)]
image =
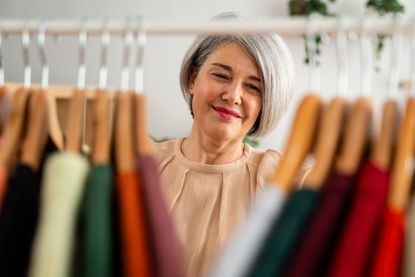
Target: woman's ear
[(192, 82)]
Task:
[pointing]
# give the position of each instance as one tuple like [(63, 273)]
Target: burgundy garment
[(313, 250), (352, 252), (164, 242)]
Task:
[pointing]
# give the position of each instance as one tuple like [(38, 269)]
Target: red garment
[(136, 261), (352, 252), (388, 258)]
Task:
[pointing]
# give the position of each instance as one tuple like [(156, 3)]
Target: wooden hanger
[(402, 168), (355, 137), (124, 132), (383, 144), (54, 130), (102, 109), (74, 122), (37, 128), (14, 128), (327, 142), (75, 119), (101, 132), (359, 118), (299, 143), (124, 143), (142, 139)]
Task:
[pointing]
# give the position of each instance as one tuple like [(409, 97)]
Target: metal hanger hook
[(82, 39), (366, 57), (41, 42), (26, 61), (342, 65), (128, 43), (139, 66), (103, 70)]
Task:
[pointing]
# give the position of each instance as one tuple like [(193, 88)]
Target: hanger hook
[(41, 41), (1, 58), (311, 45), (139, 66), (83, 37), (128, 42), (365, 57), (26, 61), (341, 44), (393, 80), (105, 40)]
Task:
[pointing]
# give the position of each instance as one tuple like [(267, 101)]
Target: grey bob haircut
[(274, 62)]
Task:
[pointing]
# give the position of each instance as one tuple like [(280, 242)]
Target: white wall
[(168, 113)]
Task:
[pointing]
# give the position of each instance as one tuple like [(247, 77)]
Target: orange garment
[(3, 184), (388, 257), (136, 261)]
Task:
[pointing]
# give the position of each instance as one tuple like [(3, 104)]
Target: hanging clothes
[(19, 217), (309, 258), (353, 251), (285, 233), (134, 237), (97, 222), (64, 179)]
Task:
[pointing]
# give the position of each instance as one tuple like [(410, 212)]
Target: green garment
[(97, 224), (285, 233)]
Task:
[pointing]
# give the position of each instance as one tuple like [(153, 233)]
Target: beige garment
[(207, 202)]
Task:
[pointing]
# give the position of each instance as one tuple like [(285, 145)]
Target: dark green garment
[(285, 233), (97, 224)]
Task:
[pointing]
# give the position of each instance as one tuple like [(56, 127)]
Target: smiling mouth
[(225, 113)]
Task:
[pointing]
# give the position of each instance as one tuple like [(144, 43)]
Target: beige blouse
[(207, 202)]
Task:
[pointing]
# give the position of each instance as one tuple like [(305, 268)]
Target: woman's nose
[(232, 94)]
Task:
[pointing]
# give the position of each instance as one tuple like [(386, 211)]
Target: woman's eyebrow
[(224, 66), (229, 68)]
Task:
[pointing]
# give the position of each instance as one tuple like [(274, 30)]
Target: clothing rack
[(285, 26)]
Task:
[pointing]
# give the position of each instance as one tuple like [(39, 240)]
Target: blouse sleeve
[(268, 165)]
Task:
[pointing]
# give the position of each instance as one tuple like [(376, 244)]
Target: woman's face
[(227, 93)]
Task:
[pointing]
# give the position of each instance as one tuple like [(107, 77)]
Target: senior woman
[(235, 85)]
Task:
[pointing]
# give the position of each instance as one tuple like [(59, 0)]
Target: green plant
[(308, 7), (384, 7), (253, 142)]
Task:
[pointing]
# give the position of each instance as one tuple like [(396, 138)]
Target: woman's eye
[(253, 87), (221, 76)]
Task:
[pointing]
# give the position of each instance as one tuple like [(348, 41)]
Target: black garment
[(19, 218)]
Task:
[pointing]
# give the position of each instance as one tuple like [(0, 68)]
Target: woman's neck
[(207, 150)]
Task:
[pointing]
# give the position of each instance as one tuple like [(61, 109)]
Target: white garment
[(62, 187)]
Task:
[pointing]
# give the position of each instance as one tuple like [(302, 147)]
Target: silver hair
[(274, 62)]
